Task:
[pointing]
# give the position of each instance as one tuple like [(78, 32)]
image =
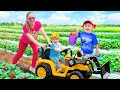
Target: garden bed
[(24, 62)]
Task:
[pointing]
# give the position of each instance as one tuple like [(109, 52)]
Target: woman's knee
[(35, 52)]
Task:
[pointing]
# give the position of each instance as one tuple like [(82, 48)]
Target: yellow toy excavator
[(75, 66)]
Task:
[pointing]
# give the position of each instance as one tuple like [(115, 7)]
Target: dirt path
[(24, 62)]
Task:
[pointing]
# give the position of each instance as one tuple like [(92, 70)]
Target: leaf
[(18, 77), (7, 78), (36, 77)]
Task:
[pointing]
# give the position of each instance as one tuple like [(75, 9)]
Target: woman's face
[(31, 18)]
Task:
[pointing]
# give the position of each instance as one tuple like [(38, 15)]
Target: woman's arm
[(34, 41), (44, 35)]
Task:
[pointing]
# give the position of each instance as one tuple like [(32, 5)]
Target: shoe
[(59, 69), (32, 69), (14, 64)]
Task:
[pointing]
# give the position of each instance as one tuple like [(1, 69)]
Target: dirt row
[(24, 62)]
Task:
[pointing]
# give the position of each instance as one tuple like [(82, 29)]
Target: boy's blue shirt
[(88, 41), (53, 52)]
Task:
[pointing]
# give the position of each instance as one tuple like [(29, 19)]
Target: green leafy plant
[(9, 71)]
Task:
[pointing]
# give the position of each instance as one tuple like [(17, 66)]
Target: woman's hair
[(27, 23)]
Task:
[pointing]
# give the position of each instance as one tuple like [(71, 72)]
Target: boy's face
[(88, 27), (55, 40)]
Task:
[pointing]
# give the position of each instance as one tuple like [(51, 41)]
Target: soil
[(24, 62)]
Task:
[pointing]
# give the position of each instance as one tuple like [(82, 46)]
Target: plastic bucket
[(72, 39)]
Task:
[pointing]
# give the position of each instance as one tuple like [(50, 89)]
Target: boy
[(56, 48), (88, 40)]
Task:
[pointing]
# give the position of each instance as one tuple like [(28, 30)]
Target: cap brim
[(94, 25)]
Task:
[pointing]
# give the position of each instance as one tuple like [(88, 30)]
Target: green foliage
[(107, 37), (7, 69), (99, 28), (114, 59)]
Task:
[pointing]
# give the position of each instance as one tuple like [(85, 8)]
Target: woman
[(29, 37)]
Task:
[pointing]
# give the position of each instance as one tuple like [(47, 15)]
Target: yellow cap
[(54, 35)]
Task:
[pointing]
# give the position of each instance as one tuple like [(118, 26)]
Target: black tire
[(86, 74), (47, 70), (77, 73)]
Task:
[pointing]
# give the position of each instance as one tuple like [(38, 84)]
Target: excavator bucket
[(105, 70)]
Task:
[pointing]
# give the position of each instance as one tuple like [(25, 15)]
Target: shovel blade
[(105, 70)]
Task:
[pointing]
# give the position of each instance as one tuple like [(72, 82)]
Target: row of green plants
[(14, 47), (10, 71), (62, 34), (113, 57), (9, 30), (69, 28), (103, 44), (114, 60)]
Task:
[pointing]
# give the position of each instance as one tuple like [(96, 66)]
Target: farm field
[(108, 37)]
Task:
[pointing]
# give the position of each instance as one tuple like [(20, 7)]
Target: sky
[(63, 17)]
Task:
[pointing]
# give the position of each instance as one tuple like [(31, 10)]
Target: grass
[(69, 28)]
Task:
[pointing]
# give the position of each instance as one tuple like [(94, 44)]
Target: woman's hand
[(50, 43), (42, 45)]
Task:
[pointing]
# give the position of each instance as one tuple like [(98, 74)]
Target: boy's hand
[(75, 29), (97, 50), (57, 49)]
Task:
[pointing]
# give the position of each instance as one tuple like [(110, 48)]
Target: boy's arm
[(97, 48), (95, 42), (78, 33), (57, 49), (61, 46), (76, 29)]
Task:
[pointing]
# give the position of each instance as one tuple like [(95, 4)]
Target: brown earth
[(24, 62)]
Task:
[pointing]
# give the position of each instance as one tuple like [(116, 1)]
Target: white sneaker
[(14, 64), (32, 69)]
